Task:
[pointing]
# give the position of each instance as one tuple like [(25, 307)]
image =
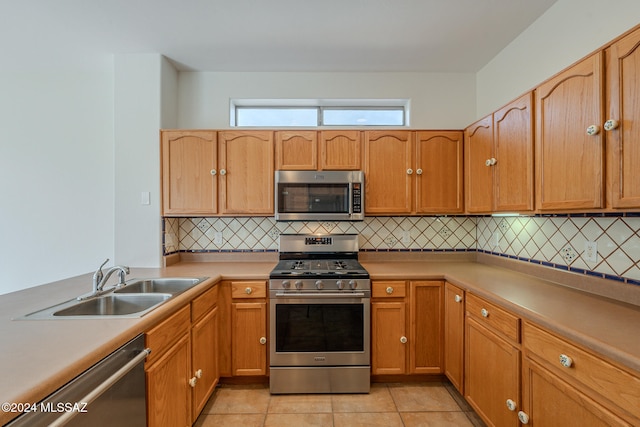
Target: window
[(311, 113)]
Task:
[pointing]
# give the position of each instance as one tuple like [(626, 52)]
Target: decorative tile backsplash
[(555, 241)]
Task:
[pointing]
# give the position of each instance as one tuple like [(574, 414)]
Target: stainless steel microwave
[(319, 195)]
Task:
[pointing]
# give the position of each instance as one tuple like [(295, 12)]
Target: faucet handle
[(97, 276)]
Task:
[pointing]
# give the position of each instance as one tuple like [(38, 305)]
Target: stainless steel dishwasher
[(110, 393)]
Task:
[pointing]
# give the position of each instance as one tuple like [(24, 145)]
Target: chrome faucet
[(100, 279)]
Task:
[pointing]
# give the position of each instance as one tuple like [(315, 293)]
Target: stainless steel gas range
[(320, 305)]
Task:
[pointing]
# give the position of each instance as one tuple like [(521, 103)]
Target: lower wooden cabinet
[(404, 343), (454, 335), (182, 369)]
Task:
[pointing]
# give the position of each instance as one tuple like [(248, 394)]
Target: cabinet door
[(623, 89), (246, 172), (513, 148), (340, 150), (249, 332), (549, 401), (492, 375), (478, 152), (388, 172), (189, 162), (439, 172), (426, 329), (168, 390), (389, 338), (569, 160), (204, 365), (454, 335), (297, 150)]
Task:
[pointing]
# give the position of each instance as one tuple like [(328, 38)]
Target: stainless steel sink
[(162, 285), (115, 305)]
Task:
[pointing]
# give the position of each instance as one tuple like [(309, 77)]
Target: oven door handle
[(320, 295)]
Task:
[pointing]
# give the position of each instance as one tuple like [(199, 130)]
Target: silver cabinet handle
[(403, 340), (389, 290), (566, 361), (263, 340)]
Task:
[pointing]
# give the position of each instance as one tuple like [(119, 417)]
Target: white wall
[(438, 101), (145, 99), (568, 31), (56, 174)]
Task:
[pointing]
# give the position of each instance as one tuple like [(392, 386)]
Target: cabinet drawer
[(598, 375), (162, 336), (247, 289), (494, 317), (204, 303), (390, 289)]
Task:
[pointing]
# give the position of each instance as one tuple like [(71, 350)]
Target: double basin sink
[(136, 298)]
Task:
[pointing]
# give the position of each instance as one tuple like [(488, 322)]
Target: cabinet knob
[(263, 340), (390, 290), (193, 381), (213, 172), (566, 361), (223, 171), (403, 340), (419, 171), (593, 130), (458, 298), (248, 291), (511, 405), (409, 171), (199, 373), (611, 124), (484, 312), (524, 418)]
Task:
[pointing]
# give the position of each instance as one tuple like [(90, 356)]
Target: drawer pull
[(566, 361), (524, 418), (484, 312), (458, 298), (511, 405), (248, 291), (389, 290), (403, 340), (263, 340)]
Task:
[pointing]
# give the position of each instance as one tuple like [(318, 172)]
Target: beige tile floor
[(388, 405)]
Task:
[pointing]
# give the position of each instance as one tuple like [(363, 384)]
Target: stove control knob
[(353, 284), (298, 284), (340, 284), (319, 284), (286, 284)]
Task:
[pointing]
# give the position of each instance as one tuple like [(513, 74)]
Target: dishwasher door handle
[(104, 386)]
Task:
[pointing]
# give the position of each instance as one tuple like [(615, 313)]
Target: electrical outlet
[(406, 237), (495, 240), (203, 225), (591, 251), (217, 238), (569, 254)]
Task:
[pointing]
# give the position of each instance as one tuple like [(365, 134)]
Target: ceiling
[(266, 35)]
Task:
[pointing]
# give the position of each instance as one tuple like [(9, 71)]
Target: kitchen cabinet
[(246, 162), (499, 160), (189, 173), (623, 120), (404, 344), (318, 150), (564, 384), (181, 370), (388, 328), (454, 335), (569, 114), (492, 362), (410, 172), (243, 328)]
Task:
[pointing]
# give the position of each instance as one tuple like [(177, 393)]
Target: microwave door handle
[(350, 197)]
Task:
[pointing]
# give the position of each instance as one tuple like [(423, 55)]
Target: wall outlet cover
[(591, 251)]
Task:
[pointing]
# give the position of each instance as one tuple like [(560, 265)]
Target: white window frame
[(324, 104)]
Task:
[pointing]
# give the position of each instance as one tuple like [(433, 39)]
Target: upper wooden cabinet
[(413, 172), (318, 150), (569, 141), (499, 159), (623, 121), (189, 173), (246, 172)]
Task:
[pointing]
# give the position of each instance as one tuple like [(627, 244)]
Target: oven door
[(320, 329)]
